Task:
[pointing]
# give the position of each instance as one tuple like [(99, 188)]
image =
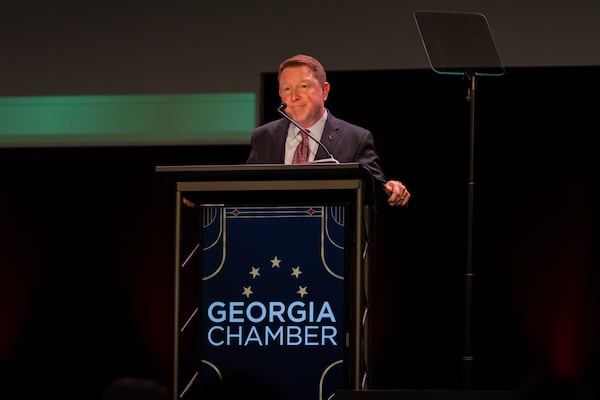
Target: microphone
[(280, 109)]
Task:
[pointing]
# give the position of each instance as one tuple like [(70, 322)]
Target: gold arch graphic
[(324, 375), (222, 234), (325, 234), (210, 215)]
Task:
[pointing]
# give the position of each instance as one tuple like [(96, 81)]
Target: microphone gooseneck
[(331, 158)]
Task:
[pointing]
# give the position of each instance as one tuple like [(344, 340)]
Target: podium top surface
[(186, 173)]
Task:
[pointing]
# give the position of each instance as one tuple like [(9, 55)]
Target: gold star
[(275, 262), (302, 291), (296, 272), (254, 272), (247, 291)]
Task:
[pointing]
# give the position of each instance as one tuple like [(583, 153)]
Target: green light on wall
[(173, 119)]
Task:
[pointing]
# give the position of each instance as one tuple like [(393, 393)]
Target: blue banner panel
[(273, 297)]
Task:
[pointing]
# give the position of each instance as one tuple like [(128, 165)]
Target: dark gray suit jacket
[(345, 141)]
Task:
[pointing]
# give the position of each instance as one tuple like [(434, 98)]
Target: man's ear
[(326, 87)]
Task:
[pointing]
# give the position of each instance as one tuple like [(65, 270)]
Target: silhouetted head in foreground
[(240, 386), (127, 388)]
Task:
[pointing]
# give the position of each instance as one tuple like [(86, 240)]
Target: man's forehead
[(298, 71), (305, 78)]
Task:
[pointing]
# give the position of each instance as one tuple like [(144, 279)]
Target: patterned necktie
[(302, 150)]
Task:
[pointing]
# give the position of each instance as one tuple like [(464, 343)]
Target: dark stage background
[(87, 240)]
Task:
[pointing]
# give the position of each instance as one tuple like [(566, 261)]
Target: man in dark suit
[(303, 88)]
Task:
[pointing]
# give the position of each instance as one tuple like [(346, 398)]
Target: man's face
[(304, 95)]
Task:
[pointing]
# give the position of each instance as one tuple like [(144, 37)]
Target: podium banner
[(273, 297)]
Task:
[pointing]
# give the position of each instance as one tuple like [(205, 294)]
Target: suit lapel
[(330, 137), (278, 148)]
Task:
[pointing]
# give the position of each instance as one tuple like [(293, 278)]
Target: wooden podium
[(272, 277)]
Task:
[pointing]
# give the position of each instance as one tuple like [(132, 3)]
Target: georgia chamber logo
[(293, 320)]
